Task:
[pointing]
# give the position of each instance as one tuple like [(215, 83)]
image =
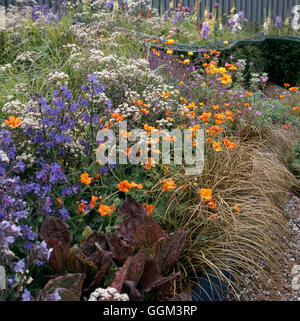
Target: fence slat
[(226, 7), (248, 10), (259, 11)]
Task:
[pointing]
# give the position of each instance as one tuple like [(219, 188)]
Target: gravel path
[(287, 277)]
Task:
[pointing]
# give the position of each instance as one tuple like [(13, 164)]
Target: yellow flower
[(169, 51), (186, 61), (170, 41), (190, 53), (226, 79), (225, 42)]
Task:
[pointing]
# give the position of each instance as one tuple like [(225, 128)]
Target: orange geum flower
[(219, 118), (191, 105), (124, 186), (149, 208), (229, 144), (168, 185), (81, 207), (117, 116), (293, 88), (183, 100), (194, 128), (58, 201), (295, 108), (145, 111), (281, 96), (286, 85), (166, 94), (236, 208), (106, 209), (205, 116), (217, 146), (213, 217), (85, 179), (93, 201), (214, 130), (206, 194), (148, 128), (212, 205), (134, 185), (13, 122)]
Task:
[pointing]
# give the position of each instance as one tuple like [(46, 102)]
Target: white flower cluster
[(57, 78), (21, 88), (108, 294), (136, 5), (25, 56), (5, 67), (29, 118), (3, 157)]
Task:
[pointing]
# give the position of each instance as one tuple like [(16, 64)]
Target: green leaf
[(86, 233)]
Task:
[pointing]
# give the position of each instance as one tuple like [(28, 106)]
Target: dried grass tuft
[(256, 176)]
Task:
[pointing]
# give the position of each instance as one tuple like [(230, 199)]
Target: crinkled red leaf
[(89, 245), (59, 254), (150, 276), (133, 215), (132, 291), (164, 283), (71, 282), (105, 262), (77, 263), (120, 276), (136, 268), (148, 233), (55, 228), (171, 249), (120, 248)]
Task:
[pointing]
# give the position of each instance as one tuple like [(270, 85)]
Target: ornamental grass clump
[(248, 186)]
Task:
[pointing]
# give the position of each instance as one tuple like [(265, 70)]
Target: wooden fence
[(254, 10)]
